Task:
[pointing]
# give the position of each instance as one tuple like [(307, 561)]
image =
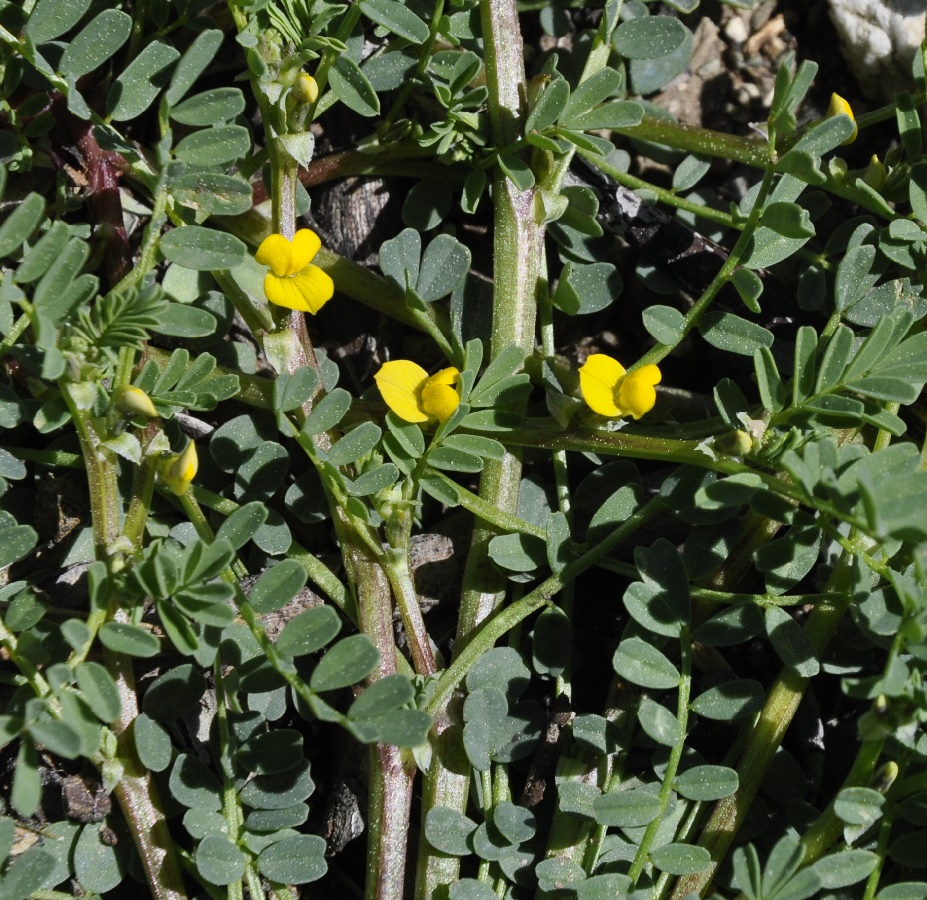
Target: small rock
[(879, 39), (736, 30)]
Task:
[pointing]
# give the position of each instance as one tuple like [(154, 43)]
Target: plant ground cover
[(459, 450)]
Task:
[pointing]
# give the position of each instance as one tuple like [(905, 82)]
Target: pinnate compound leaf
[(294, 860), (99, 866), (397, 18), (152, 743), (665, 324), (196, 247), (277, 586), (129, 639), (52, 18), (707, 783), (733, 333), (141, 81), (643, 664), (649, 37), (20, 223), (448, 831), (730, 701), (193, 63), (840, 870), (218, 860), (352, 88), (627, 809), (349, 661), (328, 412), (791, 643), (681, 859), (99, 690)]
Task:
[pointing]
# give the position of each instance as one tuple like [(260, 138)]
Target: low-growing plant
[(685, 584)]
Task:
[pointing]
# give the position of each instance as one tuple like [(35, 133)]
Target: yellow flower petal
[(598, 380), (445, 376), (636, 395), (439, 400), (179, 471), (277, 252), (307, 291), (839, 106), (314, 286), (284, 292), (401, 382), (306, 244), (649, 374)]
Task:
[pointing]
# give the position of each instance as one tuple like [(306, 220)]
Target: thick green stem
[(517, 250)]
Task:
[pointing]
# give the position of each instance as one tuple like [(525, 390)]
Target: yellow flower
[(293, 281), (416, 396), (179, 471), (612, 391), (839, 106), (133, 401)]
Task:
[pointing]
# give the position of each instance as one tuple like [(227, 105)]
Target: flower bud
[(875, 174), (306, 89), (179, 471), (133, 401), (839, 106)]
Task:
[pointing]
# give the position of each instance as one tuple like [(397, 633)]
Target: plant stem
[(700, 140), (391, 775), (666, 789), (828, 827), (506, 619), (658, 352), (135, 791), (518, 243), (781, 704)]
